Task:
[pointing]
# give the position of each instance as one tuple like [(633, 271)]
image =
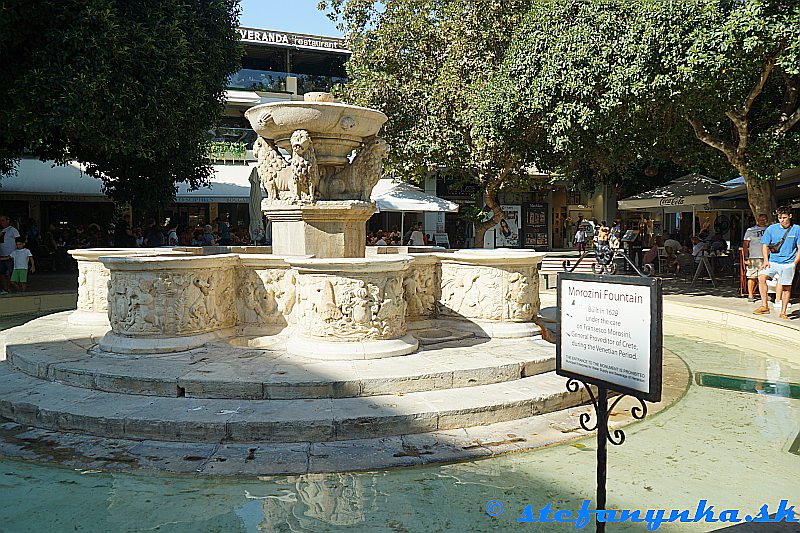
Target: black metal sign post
[(610, 337)]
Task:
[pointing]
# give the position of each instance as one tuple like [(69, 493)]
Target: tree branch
[(755, 91), (740, 123), (702, 133), (790, 108)]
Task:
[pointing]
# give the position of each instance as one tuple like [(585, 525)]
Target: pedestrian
[(172, 235), (224, 233), (123, 234), (22, 258), (154, 236), (780, 245), (753, 256), (8, 239), (580, 238)]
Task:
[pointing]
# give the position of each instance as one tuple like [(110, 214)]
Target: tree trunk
[(490, 197), (482, 227), (760, 195)]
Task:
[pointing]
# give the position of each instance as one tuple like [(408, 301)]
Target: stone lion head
[(301, 141)]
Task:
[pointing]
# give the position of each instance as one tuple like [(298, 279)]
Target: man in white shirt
[(417, 238), (698, 249), (8, 243), (753, 255)]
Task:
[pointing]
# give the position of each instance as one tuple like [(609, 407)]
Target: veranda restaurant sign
[(611, 332)]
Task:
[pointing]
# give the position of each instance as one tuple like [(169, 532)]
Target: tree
[(701, 83), (421, 62), (129, 88)]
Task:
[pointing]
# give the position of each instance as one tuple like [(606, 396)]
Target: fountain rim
[(334, 105)]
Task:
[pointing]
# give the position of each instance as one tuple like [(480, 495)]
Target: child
[(22, 257), (580, 239)]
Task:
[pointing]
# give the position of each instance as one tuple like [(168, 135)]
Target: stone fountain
[(313, 343)]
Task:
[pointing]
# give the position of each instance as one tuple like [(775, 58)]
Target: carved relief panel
[(420, 289), (351, 309), (266, 296), (179, 302), (489, 293), (93, 280)]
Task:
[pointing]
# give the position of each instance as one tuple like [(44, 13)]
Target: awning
[(390, 195), (242, 97), (689, 190), (787, 190), (43, 178), (230, 183)]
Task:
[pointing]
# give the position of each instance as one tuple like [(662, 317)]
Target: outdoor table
[(705, 263)]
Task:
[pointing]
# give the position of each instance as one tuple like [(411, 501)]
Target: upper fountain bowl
[(337, 129)]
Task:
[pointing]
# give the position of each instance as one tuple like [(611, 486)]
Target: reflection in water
[(335, 499)]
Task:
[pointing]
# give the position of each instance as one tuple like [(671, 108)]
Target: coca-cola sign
[(678, 200)]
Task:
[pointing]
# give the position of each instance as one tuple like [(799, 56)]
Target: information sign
[(611, 333)]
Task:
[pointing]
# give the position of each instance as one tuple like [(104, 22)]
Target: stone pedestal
[(495, 290), (325, 229), (350, 308)]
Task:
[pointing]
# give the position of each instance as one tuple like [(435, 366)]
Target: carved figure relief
[(266, 296), (170, 303), (302, 180), (293, 181), (419, 291), (471, 292), (92, 286), (519, 298), (350, 309)]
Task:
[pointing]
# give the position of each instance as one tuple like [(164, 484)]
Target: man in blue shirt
[(780, 264)]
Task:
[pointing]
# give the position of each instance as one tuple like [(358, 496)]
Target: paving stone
[(271, 459), (358, 455)]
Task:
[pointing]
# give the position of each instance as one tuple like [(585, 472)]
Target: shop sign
[(290, 39), (678, 200)]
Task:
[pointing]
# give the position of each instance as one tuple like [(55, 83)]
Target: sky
[(296, 16)]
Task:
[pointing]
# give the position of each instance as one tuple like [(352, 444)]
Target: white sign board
[(608, 334)]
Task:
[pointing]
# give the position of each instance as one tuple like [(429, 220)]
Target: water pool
[(735, 449)]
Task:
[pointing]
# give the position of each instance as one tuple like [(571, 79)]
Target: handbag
[(776, 247)]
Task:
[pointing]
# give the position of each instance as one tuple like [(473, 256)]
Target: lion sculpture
[(294, 180), (356, 180)]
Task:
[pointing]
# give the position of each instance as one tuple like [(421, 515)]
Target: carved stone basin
[(337, 129)]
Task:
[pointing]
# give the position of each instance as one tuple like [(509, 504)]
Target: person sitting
[(718, 244), (208, 239), (671, 249), (698, 249), (684, 263)]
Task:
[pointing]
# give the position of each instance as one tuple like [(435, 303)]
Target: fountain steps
[(55, 406), (222, 371)]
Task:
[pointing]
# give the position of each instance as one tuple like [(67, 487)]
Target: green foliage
[(615, 83), (129, 88), (226, 150), (422, 62)]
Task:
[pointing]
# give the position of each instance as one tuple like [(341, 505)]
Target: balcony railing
[(307, 83), (259, 80), (231, 144)]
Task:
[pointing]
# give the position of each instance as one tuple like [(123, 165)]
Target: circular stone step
[(300, 457), (227, 371), (54, 406)]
